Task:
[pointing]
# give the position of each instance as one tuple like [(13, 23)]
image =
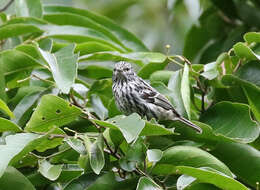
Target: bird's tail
[(189, 123)]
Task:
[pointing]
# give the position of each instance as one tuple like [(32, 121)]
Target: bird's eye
[(127, 69), (114, 69)]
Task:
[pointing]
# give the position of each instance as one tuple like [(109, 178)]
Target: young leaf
[(52, 172), (63, 65), (147, 183), (96, 153), (154, 155), (5, 108), (185, 89), (130, 126), (6, 125)]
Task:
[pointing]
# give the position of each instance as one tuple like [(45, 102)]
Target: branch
[(6, 6)]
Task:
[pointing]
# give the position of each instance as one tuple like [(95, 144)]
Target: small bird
[(133, 94)]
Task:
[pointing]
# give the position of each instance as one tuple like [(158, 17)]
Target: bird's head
[(123, 71)]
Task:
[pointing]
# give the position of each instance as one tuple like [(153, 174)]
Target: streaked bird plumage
[(133, 94)]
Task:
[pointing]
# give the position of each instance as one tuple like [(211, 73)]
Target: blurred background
[(197, 29)]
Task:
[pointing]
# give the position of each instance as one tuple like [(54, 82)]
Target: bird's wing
[(150, 95)]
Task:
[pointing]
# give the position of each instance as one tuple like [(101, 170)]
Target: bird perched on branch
[(133, 94)]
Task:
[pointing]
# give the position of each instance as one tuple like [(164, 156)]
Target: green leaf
[(14, 145), (154, 155), (5, 108), (210, 70), (188, 156), (146, 183), (252, 95), (150, 128), (184, 181), (28, 8), (242, 159), (128, 39), (78, 34), (52, 111), (175, 95), (251, 37), (231, 120), (76, 144), (98, 107), (185, 89), (209, 175), (63, 65), (51, 172), (92, 47), (14, 61), (13, 30), (102, 88), (96, 153), (79, 20), (250, 72), (161, 76), (243, 51), (13, 179), (24, 106), (6, 125), (130, 126)]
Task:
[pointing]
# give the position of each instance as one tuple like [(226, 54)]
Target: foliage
[(59, 125)]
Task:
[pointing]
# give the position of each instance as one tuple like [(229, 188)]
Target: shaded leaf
[(13, 179)]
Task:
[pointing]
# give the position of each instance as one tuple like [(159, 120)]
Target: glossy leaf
[(244, 51), (232, 120), (13, 179), (188, 156), (6, 125), (52, 172), (209, 175), (96, 154), (5, 108), (154, 155), (147, 183)]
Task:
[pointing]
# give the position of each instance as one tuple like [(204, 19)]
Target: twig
[(6, 6), (74, 101), (237, 66)]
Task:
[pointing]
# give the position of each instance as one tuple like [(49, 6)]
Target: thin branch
[(6, 6)]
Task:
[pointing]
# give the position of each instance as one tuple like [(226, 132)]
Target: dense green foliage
[(60, 128)]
